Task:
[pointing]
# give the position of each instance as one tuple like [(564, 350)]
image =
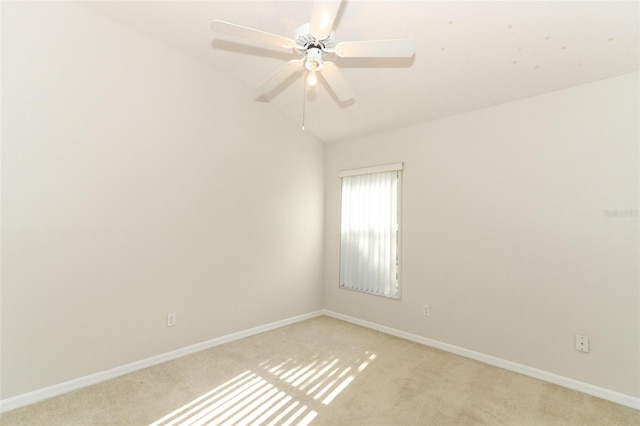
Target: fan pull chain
[(304, 103)]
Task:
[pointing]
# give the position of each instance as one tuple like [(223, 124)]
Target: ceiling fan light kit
[(313, 59), (312, 78)]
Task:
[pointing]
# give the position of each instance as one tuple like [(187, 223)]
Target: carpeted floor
[(323, 372)]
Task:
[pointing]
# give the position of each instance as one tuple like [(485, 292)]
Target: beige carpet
[(323, 372)]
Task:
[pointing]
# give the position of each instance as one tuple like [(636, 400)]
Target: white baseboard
[(609, 395), (81, 382)]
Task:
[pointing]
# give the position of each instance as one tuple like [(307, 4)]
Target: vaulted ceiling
[(469, 55)]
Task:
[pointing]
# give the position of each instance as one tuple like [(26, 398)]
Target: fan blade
[(401, 48), (251, 34), (336, 81), (280, 75), (322, 17)]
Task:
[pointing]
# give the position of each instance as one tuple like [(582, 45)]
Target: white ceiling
[(469, 55)]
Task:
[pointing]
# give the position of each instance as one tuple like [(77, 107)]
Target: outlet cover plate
[(171, 319), (582, 343)]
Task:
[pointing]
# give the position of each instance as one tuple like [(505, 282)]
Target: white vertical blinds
[(370, 233)]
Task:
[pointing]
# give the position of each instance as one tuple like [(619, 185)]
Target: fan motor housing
[(305, 40)]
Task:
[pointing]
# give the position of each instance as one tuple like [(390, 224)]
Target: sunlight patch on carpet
[(287, 392)]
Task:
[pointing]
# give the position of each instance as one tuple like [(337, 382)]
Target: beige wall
[(139, 181), (505, 232)]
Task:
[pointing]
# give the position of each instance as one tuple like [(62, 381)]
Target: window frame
[(393, 167)]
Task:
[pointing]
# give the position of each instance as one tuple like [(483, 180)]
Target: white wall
[(139, 181), (505, 231)]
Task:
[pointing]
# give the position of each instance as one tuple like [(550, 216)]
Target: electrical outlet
[(582, 343), (171, 319), (426, 311)]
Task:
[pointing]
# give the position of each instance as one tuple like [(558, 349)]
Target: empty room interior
[(427, 212)]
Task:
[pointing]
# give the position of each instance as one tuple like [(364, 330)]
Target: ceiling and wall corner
[(470, 55)]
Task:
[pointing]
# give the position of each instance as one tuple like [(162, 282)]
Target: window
[(370, 230)]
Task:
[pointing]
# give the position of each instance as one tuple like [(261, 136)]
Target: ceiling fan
[(315, 42)]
